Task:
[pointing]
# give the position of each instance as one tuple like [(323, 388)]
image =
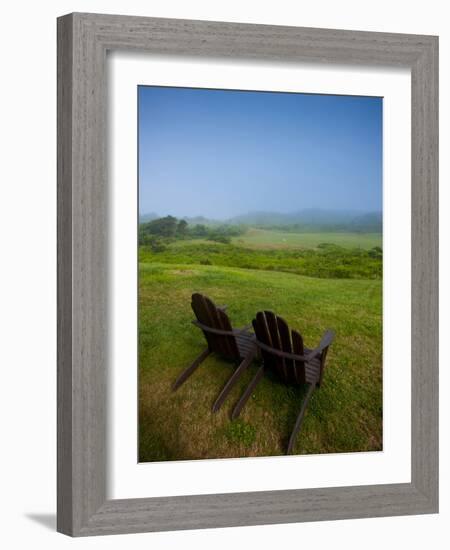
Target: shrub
[(157, 246), (219, 238)]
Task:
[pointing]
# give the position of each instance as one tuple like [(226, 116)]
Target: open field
[(327, 261), (265, 238), (344, 415)]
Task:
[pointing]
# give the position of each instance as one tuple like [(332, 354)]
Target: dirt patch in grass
[(182, 272)]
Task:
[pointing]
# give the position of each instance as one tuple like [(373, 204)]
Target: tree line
[(161, 231)]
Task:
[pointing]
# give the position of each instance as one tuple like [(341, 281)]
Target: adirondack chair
[(235, 345), (283, 351)]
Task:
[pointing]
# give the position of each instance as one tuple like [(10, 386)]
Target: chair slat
[(262, 334), (297, 344), (285, 338), (228, 341), (273, 331), (202, 314), (214, 322), (272, 326), (210, 315)]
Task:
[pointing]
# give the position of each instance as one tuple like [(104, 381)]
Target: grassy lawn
[(264, 238), (344, 415), (327, 261)]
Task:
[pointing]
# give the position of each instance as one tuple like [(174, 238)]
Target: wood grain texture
[(64, 274), (425, 272), (83, 40)]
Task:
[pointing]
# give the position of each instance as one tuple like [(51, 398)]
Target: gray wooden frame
[(83, 40)]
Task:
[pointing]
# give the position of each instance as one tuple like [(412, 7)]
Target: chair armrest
[(220, 332), (326, 341), (282, 354), (327, 338), (213, 330)]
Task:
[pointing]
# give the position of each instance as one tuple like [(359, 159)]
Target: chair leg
[(249, 390), (298, 422), (232, 381), (187, 372)]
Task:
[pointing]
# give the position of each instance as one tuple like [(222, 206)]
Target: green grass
[(265, 238), (327, 261), (344, 415)]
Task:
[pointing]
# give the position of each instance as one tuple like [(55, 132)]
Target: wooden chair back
[(211, 316), (273, 331)]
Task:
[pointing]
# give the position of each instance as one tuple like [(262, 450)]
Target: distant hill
[(308, 219), (195, 220), (372, 222), (315, 219), (201, 220), (143, 218)]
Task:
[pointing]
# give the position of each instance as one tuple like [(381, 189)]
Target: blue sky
[(220, 153)]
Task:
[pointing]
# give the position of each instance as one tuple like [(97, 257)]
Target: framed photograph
[(247, 274), (257, 200)]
